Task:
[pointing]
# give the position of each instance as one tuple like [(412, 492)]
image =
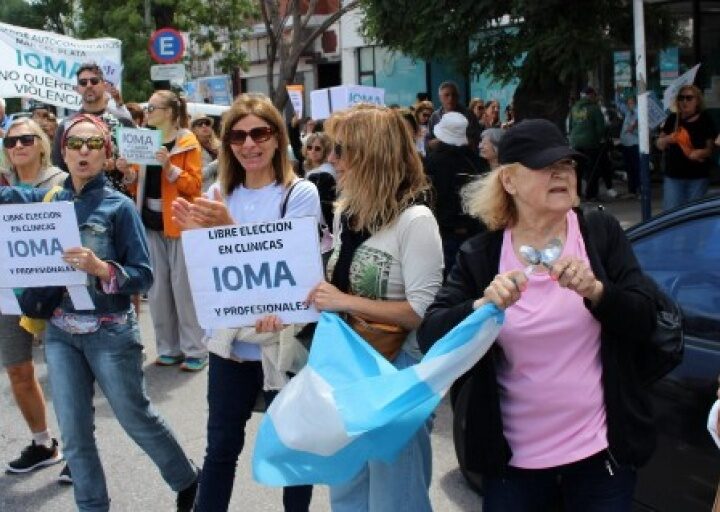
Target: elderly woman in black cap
[(558, 412)]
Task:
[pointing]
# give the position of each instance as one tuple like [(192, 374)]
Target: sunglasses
[(258, 135), (685, 97), (152, 108), (562, 165), (93, 143), (82, 82), (338, 149), (314, 148), (202, 122), (24, 140)]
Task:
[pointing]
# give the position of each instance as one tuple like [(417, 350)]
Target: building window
[(366, 66)]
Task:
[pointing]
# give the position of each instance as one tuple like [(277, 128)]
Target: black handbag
[(40, 303), (663, 351)]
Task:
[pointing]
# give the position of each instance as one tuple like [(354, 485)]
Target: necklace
[(545, 256)]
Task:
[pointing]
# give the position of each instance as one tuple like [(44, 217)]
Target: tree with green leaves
[(219, 28), (52, 15), (286, 24), (550, 45)]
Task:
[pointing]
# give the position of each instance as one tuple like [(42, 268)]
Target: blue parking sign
[(166, 45)]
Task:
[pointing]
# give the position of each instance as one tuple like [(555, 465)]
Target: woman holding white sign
[(255, 183), (27, 150), (384, 272), (103, 344), (178, 335)]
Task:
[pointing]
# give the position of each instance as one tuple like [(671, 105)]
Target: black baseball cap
[(534, 143)]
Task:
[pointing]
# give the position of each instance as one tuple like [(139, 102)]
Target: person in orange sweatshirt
[(178, 174)]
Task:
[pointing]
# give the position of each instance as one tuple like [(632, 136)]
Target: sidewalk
[(627, 209)]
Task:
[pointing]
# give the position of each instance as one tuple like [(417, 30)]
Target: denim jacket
[(111, 227)]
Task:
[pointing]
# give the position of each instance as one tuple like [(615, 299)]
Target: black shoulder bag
[(663, 351)]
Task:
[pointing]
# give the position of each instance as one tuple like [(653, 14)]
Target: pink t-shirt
[(551, 395)]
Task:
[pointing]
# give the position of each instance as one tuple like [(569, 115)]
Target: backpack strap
[(597, 230), (50, 195), (286, 199)]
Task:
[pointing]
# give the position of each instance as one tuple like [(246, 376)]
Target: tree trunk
[(542, 96)]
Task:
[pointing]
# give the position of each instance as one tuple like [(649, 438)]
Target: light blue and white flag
[(350, 405)]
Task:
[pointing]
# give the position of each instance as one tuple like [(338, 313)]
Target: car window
[(685, 261)]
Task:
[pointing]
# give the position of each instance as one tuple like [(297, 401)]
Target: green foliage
[(124, 21), (21, 13), (219, 26), (554, 37)]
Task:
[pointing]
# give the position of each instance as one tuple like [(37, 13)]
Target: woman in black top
[(686, 140)]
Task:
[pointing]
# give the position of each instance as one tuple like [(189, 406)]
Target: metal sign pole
[(642, 107)]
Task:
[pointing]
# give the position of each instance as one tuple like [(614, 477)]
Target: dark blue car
[(680, 249)]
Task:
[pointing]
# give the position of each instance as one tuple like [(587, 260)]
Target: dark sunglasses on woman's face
[(314, 148), (685, 97), (24, 140), (82, 82), (76, 143), (338, 149), (258, 135), (202, 122)]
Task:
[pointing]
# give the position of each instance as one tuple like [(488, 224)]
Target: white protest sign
[(138, 145), (32, 240), (112, 72), (324, 102), (42, 65), (244, 272), (656, 114), (8, 302), (671, 92), (295, 93)]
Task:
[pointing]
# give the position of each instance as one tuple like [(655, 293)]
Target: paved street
[(135, 484)]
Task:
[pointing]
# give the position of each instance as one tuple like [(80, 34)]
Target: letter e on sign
[(166, 45)]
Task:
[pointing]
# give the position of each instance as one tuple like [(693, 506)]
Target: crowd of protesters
[(426, 209)]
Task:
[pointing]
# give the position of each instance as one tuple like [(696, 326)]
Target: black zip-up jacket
[(626, 312)]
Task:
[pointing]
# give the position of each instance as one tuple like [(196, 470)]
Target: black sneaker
[(35, 456), (186, 498), (65, 477)]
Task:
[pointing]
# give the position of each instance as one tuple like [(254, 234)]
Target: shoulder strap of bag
[(50, 194), (286, 199), (598, 233)]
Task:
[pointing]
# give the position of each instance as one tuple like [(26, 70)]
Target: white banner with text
[(33, 238), (244, 272), (42, 65)]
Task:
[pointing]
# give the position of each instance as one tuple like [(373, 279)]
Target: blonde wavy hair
[(487, 199), (231, 173), (36, 129), (383, 174)]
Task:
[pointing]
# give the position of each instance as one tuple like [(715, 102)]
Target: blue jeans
[(677, 192), (232, 391), (396, 487), (594, 484), (112, 356)]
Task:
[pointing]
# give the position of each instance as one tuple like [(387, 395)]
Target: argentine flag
[(350, 405)]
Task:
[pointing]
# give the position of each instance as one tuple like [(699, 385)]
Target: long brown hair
[(231, 173), (383, 171)]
